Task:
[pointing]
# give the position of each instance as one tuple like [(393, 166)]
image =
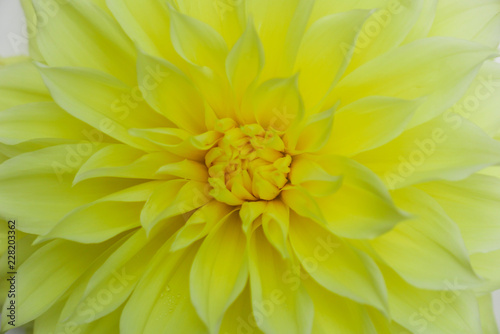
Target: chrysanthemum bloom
[(254, 166)]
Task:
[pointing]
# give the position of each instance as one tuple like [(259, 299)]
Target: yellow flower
[(253, 166)]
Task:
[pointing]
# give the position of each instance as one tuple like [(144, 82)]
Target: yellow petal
[(201, 222), (20, 83), (275, 223), (161, 301), (32, 182), (227, 17), (123, 161), (47, 274), (279, 300), (487, 265), (103, 221), (424, 23), (41, 120), (336, 314), (119, 274), (171, 93), (325, 53), (249, 212), (480, 102), (31, 23), (277, 104), (353, 203), (369, 123), (240, 316), (472, 204), (147, 23), (388, 75), (431, 241), (450, 310), (385, 30), (179, 142), (245, 62), (220, 272), (488, 317), (186, 169), (173, 198), (197, 42), (473, 20), (322, 253), (316, 132), (274, 20), (314, 179), (81, 34), (436, 150), (113, 109)]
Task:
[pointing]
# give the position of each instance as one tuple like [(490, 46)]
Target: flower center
[(248, 164)]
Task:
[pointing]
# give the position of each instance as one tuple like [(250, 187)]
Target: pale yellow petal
[(431, 240), (220, 272), (81, 34)]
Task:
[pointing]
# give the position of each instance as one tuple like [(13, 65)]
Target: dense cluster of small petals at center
[(248, 164)]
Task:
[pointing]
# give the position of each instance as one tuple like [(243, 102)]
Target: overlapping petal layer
[(249, 166)]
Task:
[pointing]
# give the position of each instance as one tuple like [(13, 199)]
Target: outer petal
[(41, 120), (81, 34), (480, 102), (336, 314), (20, 83), (322, 254), (104, 218), (161, 301), (430, 241), (277, 307), (473, 205), (32, 182), (47, 274), (385, 30), (473, 20), (457, 60), (113, 109), (451, 310), (220, 272), (436, 150), (119, 274), (488, 318), (487, 265)]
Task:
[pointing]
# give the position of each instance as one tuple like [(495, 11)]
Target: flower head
[(249, 166)]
